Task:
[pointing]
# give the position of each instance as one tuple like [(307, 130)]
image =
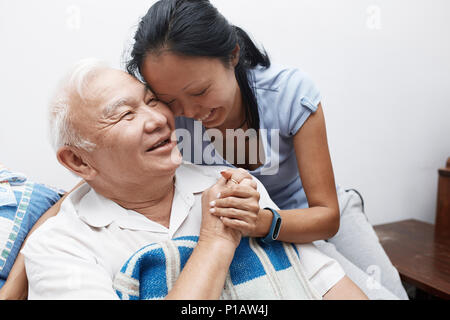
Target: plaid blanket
[(257, 272)]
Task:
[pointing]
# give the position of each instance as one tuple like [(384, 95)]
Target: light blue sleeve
[(298, 99)]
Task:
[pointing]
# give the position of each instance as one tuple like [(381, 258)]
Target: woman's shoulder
[(286, 97), (277, 77)]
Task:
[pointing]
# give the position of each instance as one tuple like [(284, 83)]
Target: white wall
[(383, 67)]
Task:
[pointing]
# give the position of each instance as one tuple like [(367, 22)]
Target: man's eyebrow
[(111, 108)]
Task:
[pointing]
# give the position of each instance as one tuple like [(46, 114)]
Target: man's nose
[(155, 120)]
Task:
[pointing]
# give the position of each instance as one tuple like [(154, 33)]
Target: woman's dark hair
[(196, 28)]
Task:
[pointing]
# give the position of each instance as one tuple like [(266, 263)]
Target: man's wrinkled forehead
[(109, 82), (111, 88)]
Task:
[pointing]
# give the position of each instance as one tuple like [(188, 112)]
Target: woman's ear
[(74, 160), (235, 56)]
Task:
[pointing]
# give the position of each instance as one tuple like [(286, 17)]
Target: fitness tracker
[(274, 228)]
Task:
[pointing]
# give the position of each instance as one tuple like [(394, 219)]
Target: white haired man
[(110, 130)]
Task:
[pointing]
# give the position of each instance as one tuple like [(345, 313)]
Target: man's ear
[(235, 56), (73, 159)]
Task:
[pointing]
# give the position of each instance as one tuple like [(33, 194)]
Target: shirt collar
[(190, 180), (98, 211)]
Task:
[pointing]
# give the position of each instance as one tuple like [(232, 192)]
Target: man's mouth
[(160, 145)]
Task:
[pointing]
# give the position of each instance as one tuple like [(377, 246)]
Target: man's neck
[(153, 200)]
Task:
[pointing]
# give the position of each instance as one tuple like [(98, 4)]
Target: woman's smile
[(208, 117)]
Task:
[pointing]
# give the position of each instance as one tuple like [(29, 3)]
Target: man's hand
[(213, 229)]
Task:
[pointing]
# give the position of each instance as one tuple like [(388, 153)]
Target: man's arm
[(203, 276), (58, 268), (61, 269)]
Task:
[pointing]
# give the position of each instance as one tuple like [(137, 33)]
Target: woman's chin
[(216, 120), (215, 124)]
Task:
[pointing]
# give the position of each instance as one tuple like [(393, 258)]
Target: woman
[(208, 70)]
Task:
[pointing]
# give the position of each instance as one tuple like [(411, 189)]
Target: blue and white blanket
[(257, 272), (22, 203), (8, 179)]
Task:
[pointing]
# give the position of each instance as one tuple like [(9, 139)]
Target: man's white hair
[(70, 92)]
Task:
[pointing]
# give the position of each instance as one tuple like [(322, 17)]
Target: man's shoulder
[(198, 178), (201, 170), (65, 225), (190, 171)]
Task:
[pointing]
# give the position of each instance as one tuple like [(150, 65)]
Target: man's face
[(134, 132)]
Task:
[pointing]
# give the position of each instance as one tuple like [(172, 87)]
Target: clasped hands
[(230, 208)]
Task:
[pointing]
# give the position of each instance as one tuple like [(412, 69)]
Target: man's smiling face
[(134, 133)]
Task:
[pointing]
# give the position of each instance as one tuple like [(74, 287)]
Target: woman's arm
[(16, 286), (321, 220)]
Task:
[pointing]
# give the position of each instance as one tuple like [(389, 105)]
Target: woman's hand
[(238, 204)]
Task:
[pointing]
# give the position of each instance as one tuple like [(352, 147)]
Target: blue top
[(286, 98)]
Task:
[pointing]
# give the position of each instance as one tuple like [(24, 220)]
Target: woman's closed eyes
[(203, 92)]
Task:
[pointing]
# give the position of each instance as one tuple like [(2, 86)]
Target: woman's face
[(200, 88)]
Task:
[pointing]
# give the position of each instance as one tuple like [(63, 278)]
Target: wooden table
[(421, 257)]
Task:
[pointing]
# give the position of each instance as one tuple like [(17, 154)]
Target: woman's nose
[(184, 108), (177, 110), (190, 111)]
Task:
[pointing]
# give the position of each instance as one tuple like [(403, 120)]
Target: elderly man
[(110, 130)]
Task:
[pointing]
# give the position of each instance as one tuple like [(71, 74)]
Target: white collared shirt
[(76, 254)]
